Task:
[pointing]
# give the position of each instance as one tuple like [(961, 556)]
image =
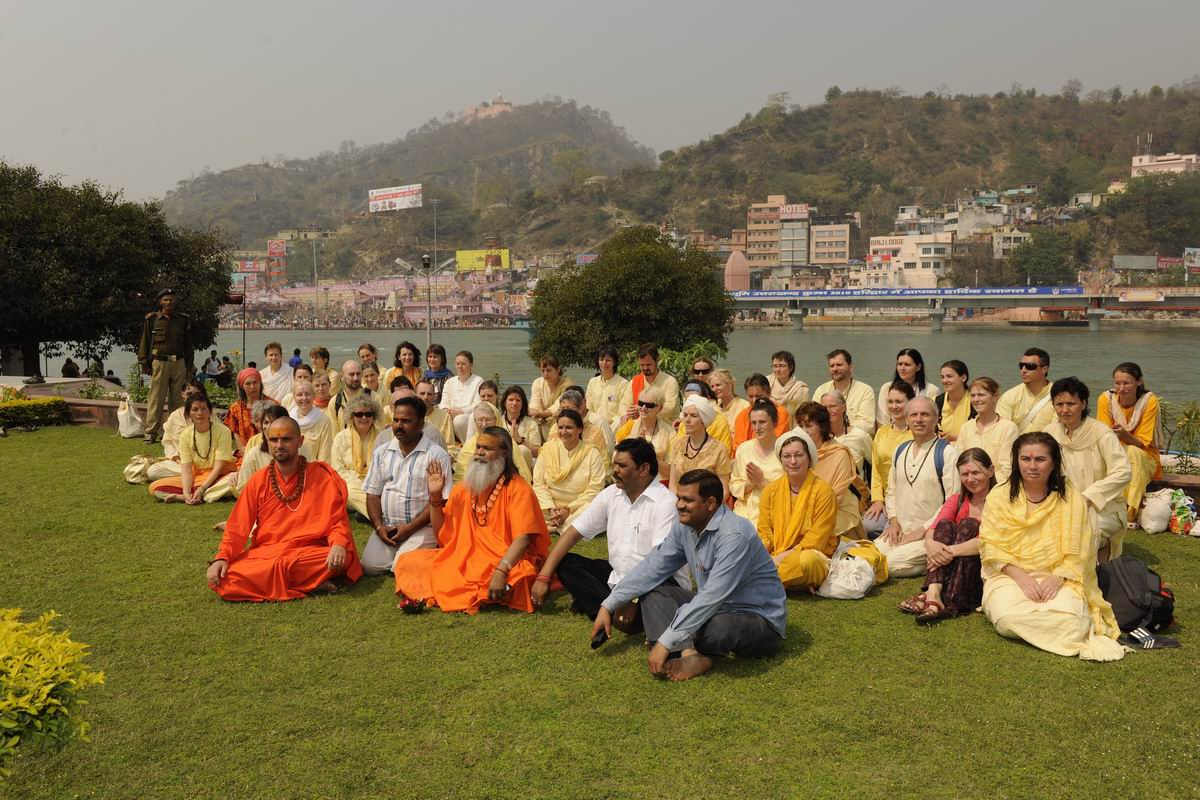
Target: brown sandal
[(934, 611), (914, 604)]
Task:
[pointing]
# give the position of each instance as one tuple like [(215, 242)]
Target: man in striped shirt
[(397, 488)]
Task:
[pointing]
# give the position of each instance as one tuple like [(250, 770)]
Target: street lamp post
[(427, 268)]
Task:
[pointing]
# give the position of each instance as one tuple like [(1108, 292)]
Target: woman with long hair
[(515, 419), (910, 368), (1131, 411), (887, 438), (406, 362), (568, 474), (952, 582), (986, 429), (1037, 548), (438, 372), (835, 466)]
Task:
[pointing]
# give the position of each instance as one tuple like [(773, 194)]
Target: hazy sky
[(138, 95)]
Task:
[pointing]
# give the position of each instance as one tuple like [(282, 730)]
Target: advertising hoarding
[(475, 260), (277, 248), (394, 198)]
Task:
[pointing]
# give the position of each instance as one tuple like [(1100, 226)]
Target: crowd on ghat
[(714, 504)]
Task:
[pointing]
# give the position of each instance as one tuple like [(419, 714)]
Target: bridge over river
[(936, 303)]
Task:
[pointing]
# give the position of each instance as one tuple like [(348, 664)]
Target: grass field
[(345, 697)]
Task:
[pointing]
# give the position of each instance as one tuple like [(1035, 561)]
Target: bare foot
[(328, 587), (172, 498), (688, 667), (220, 526)]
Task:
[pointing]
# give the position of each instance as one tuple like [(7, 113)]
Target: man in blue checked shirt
[(397, 488), (740, 608)]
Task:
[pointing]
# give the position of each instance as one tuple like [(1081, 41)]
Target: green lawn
[(345, 697)]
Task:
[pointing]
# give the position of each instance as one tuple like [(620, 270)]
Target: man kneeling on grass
[(740, 607), (296, 511)]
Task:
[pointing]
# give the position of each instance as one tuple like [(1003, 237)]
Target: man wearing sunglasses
[(1028, 403)]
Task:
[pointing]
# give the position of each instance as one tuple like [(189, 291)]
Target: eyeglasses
[(644, 404), (364, 414), (701, 371), (1030, 365)]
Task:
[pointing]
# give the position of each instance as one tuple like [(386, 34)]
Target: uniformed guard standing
[(165, 354)]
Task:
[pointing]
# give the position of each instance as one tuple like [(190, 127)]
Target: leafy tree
[(1158, 214), (1046, 259), (1058, 188), (832, 93), (81, 267), (1072, 89), (641, 288)]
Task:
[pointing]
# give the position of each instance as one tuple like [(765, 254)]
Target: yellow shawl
[(1054, 537), (560, 462), (361, 453), (804, 522)]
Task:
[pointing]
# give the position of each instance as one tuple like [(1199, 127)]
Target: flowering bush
[(41, 675)]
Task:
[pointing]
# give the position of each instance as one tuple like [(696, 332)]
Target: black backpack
[(1136, 593)]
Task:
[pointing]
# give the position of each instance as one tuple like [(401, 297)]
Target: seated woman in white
[(352, 449)]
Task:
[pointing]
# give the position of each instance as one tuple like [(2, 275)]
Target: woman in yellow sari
[(887, 439), (568, 474), (352, 449), (755, 464), (545, 393), (1039, 566), (796, 518), (1131, 411), (836, 467), (486, 415)]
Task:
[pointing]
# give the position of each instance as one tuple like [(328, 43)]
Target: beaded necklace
[(689, 452), (482, 511), (196, 443), (296, 493), (913, 478)]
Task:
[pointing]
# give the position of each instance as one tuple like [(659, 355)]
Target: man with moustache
[(296, 511), (859, 397), (397, 488), (636, 512), (492, 536), (649, 375), (740, 606)]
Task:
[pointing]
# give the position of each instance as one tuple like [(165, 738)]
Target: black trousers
[(742, 633), (587, 581)]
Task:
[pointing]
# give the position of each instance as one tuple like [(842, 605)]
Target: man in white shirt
[(460, 393), (1028, 404), (636, 511), (860, 398), (916, 490), (397, 489), (276, 376)]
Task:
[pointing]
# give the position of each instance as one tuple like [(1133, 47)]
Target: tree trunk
[(31, 355)]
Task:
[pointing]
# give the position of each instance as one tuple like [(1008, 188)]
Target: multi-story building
[(794, 220), (1150, 164), (835, 240), (1007, 239), (915, 261), (762, 232)]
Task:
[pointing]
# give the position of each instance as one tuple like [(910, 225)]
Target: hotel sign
[(794, 211)]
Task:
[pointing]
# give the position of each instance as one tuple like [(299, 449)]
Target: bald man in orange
[(492, 536), (296, 510)]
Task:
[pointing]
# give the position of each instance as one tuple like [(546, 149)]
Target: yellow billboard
[(472, 260)]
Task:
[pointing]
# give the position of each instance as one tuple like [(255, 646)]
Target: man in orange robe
[(492, 536), (296, 510)]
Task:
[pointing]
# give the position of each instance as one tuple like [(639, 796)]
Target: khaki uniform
[(165, 353)]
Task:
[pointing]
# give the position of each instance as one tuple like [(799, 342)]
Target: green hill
[(523, 176)]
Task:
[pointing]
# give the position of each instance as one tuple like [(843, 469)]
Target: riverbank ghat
[(343, 696)]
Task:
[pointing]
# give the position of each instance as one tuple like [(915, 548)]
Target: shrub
[(677, 363), (41, 675), (8, 393), (38, 411)]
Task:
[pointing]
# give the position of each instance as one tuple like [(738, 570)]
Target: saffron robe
[(455, 576), (285, 559)]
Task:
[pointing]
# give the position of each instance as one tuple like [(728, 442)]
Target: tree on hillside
[(1158, 214), (641, 288), (1047, 259), (80, 268)]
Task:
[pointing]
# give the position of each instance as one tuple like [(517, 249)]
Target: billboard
[(1165, 262), (1147, 263), (394, 198), (794, 211), (1191, 257), (256, 265), (583, 259), (236, 278), (277, 248), (476, 260)]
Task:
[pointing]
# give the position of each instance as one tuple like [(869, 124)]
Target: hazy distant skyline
[(139, 96)]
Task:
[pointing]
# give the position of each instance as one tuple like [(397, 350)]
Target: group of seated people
[(714, 506)]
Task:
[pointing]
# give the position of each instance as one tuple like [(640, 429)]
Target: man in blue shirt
[(741, 606)]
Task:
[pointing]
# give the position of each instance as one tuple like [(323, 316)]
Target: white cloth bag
[(128, 421), (849, 578)]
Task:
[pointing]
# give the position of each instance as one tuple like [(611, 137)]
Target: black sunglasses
[(1030, 365), (644, 404), (701, 371), (364, 414)]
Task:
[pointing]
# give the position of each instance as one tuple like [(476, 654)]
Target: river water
[(1167, 354)]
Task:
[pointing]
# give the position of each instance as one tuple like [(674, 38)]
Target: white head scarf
[(796, 434), (703, 407)]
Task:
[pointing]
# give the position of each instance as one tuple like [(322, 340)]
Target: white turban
[(703, 407), (796, 434)]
